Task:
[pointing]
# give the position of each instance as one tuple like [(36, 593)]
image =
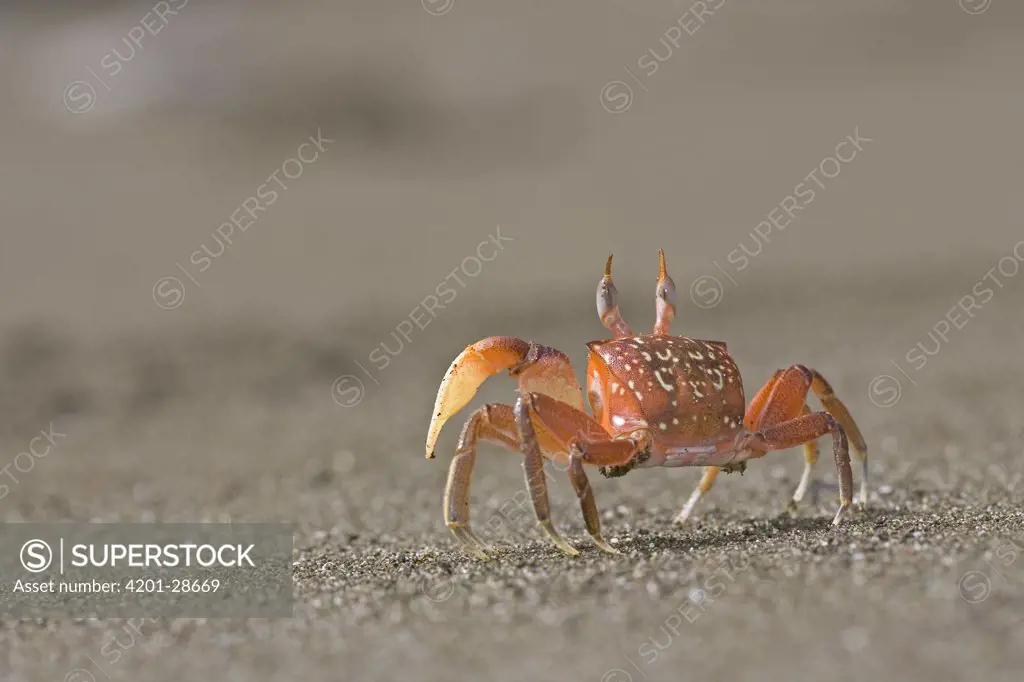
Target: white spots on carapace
[(730, 422), (662, 426), (659, 369), (664, 384), (618, 421)]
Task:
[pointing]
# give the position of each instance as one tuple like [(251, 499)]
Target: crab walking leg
[(588, 504), (494, 423), (794, 383), (755, 411), (804, 429), (706, 482), (535, 479), (811, 452), (787, 398), (834, 406), (456, 491), (606, 453), (587, 443)]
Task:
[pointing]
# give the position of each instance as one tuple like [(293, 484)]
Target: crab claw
[(468, 371), (537, 367)]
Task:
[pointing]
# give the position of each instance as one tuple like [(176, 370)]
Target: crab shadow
[(722, 533)]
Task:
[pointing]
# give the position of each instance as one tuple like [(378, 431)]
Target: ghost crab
[(658, 400)]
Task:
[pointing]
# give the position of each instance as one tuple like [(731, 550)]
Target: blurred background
[(442, 171)]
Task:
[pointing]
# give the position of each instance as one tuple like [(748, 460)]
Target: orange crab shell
[(686, 391)]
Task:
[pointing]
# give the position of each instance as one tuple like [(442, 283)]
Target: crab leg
[(534, 467), (834, 406), (485, 424), (783, 398), (806, 428), (789, 394), (811, 452), (707, 480), (777, 417), (756, 409), (495, 423), (588, 505), (587, 442)]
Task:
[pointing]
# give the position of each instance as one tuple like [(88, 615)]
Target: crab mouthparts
[(623, 469)]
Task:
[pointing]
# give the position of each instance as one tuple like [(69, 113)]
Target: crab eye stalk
[(608, 304), (665, 297)]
